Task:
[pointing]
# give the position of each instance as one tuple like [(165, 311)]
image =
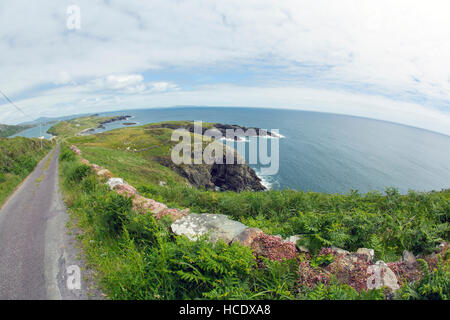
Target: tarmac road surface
[(38, 257)]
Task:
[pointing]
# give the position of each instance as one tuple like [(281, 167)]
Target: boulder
[(96, 167), (408, 258), (339, 251), (104, 173), (217, 226), (112, 182), (381, 276), (247, 236), (273, 248), (368, 254), (125, 190), (145, 205), (75, 150)]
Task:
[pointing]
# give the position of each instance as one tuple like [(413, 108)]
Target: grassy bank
[(18, 158), (388, 222), (138, 258)]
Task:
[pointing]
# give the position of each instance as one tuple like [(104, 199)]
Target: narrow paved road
[(37, 254)]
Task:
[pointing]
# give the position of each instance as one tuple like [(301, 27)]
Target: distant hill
[(48, 120), (9, 130)]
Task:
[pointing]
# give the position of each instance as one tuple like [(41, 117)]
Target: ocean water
[(330, 153)]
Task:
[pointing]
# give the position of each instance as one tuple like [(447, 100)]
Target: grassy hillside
[(9, 130), (72, 127), (18, 158), (116, 150), (140, 259)]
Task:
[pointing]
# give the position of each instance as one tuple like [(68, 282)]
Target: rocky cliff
[(226, 177), (237, 176)]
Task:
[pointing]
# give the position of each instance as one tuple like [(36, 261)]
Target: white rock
[(112, 182), (381, 276), (218, 226)]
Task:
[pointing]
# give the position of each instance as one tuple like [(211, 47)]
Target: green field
[(18, 158), (72, 127), (138, 258)]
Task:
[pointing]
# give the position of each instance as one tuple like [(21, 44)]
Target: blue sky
[(386, 60)]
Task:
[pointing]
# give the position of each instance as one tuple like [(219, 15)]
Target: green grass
[(388, 222), (137, 257), (18, 158)]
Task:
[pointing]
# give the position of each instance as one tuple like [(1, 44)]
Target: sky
[(384, 59)]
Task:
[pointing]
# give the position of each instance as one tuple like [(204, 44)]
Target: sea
[(324, 152)]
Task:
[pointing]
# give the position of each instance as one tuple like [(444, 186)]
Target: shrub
[(116, 211), (78, 173), (66, 155), (434, 285)]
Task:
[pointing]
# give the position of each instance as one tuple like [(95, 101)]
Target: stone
[(104, 173), (294, 239), (247, 236), (339, 251), (408, 258), (381, 276), (217, 226), (96, 167), (75, 150), (442, 246), (145, 205), (174, 214), (369, 254), (112, 182), (125, 190), (84, 161), (162, 183)]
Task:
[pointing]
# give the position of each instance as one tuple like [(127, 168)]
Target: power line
[(10, 101), (26, 115)]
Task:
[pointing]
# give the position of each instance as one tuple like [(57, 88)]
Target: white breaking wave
[(264, 180), (239, 139)]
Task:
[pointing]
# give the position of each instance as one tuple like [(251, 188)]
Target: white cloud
[(324, 49)]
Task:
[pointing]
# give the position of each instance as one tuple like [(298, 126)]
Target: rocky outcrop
[(237, 176), (118, 118), (218, 127)]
